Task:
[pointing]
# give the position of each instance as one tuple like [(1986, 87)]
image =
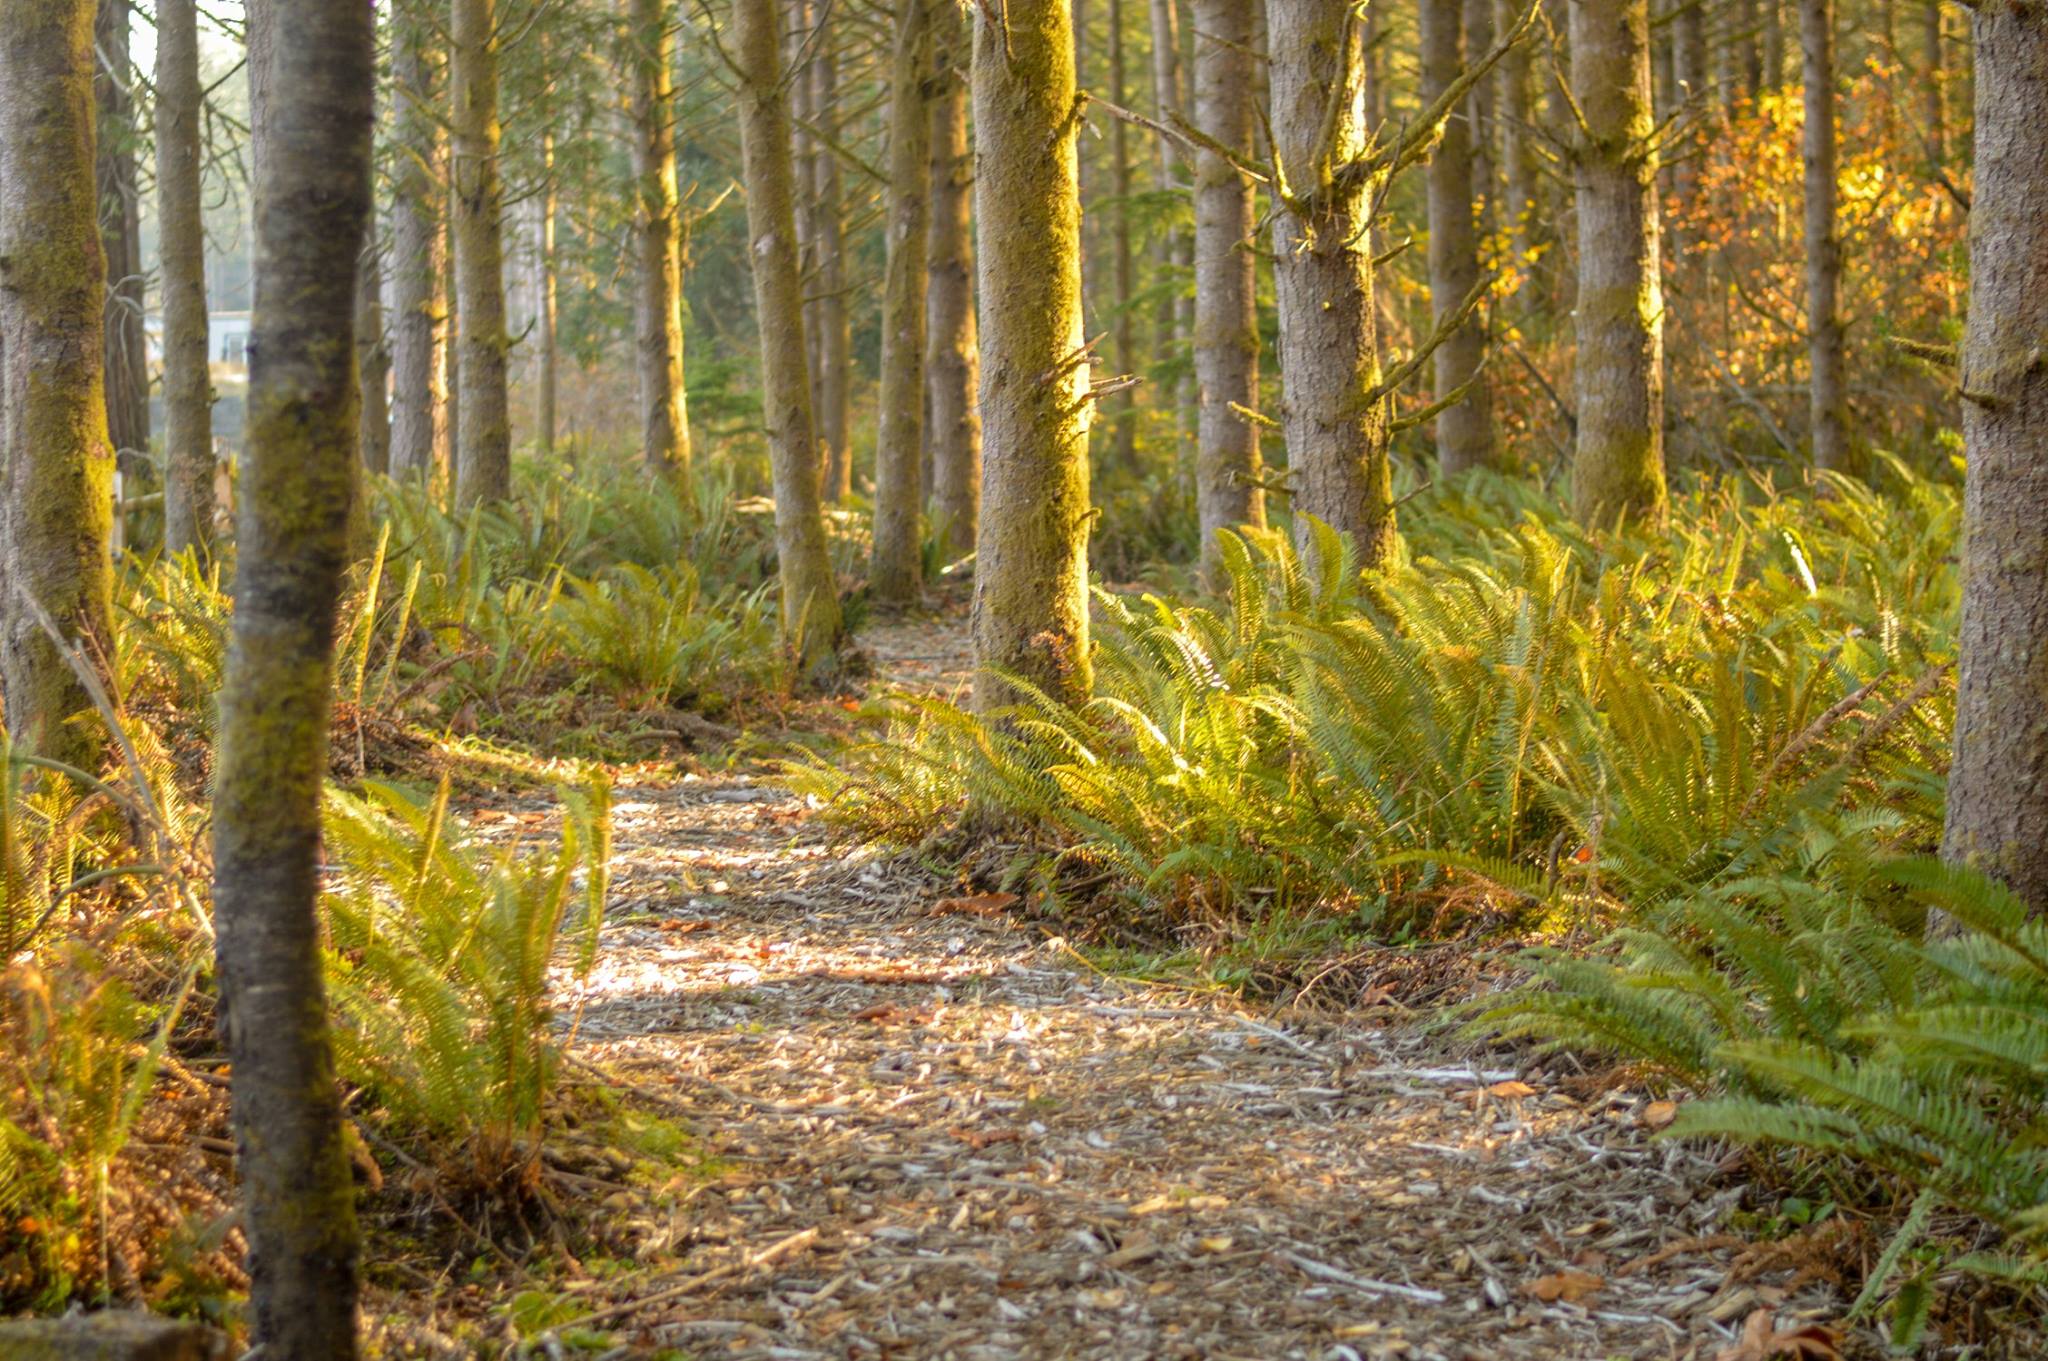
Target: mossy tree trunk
[(1828, 397), (373, 358), (1123, 263), (1226, 336), (181, 231), (1618, 466), (1337, 440), (127, 363), (1998, 784), (483, 432), (664, 423), (419, 257), (56, 460), (893, 573), (298, 481), (1031, 575), (810, 595), (1464, 429), (952, 342)]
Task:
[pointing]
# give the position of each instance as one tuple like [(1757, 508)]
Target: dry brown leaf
[(880, 1011), (980, 905), (681, 927), (1502, 1091), (1763, 1340), (978, 1139), (1567, 1286), (1658, 1114)]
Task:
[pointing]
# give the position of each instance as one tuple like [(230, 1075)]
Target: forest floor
[(930, 1129)]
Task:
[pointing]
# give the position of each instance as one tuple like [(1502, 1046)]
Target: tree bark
[(181, 231), (56, 461), (1173, 247), (952, 344), (483, 432), (1464, 430), (893, 574), (810, 595), (835, 340), (1124, 271), (1934, 103), (1323, 279), (1521, 165), (1774, 44), (1031, 575), (1226, 338), (546, 338), (1618, 468), (298, 482), (664, 428), (373, 359), (1998, 784), (127, 363), (419, 264), (1828, 395)]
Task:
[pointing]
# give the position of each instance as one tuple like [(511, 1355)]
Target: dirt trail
[(943, 1135)]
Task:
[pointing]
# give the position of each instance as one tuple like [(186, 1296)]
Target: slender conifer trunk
[(810, 595), (188, 386), (298, 483), (952, 342), (664, 428), (483, 421)]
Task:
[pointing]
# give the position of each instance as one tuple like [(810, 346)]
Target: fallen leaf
[(1658, 1114), (1130, 1254), (1567, 1286), (1504, 1091), (880, 1011), (684, 928), (1763, 1340), (980, 905), (977, 1139)]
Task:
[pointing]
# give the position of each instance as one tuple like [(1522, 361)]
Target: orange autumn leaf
[(1763, 1340), (1568, 1287)]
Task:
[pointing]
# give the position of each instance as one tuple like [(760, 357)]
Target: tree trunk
[(1172, 247), (894, 574), (1618, 468), (952, 346), (1998, 784), (188, 386), (1124, 419), (298, 482), (483, 432), (373, 360), (546, 339), (664, 432), (810, 595), (1934, 105), (1323, 279), (1749, 48), (835, 340), (1828, 400), (1031, 575), (120, 222), (1774, 44), (419, 264), (1521, 166), (1226, 294), (56, 462), (1464, 431)]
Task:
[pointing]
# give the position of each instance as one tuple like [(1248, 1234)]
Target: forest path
[(940, 1134)]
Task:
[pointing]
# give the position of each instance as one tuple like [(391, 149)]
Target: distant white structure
[(227, 339)]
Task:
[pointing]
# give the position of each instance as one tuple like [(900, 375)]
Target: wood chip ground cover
[(939, 1134)]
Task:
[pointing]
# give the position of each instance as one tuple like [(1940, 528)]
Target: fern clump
[(1602, 727), (442, 950)]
